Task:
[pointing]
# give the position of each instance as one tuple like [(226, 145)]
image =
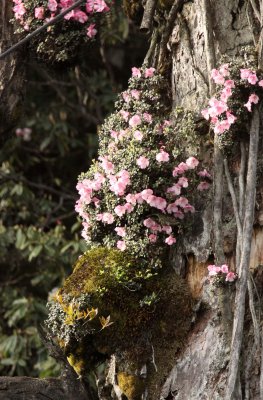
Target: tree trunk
[(12, 72)]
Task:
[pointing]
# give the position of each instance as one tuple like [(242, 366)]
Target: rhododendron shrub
[(77, 25), (138, 194), (238, 90)]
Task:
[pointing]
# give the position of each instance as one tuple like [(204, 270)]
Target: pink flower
[(229, 84), (204, 174), (147, 117), (217, 77), (188, 208), (146, 193), (205, 114), (244, 73), (52, 5), (192, 162), (152, 237), (157, 202), (134, 121), (175, 189), (225, 94), (167, 229), (172, 208), (143, 162), (224, 70), (253, 98), (230, 117), (91, 31), (136, 94), (128, 207), (96, 6), (170, 240), (163, 156), (114, 134), (213, 270), (125, 115), (183, 181), (149, 72), (182, 202), (224, 268), (151, 224), (131, 198), (231, 276), (126, 97), (260, 83), (138, 135), (39, 12), (107, 218), (203, 186), (80, 16), (252, 78), (120, 231), (182, 167), (120, 210), (222, 126), (136, 72), (106, 164), (248, 105), (121, 245), (217, 107)]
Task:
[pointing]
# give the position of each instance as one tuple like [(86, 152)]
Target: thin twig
[(40, 29), (148, 14), (260, 40), (233, 197), (241, 180), (238, 324), (150, 52), (255, 9), (253, 313)]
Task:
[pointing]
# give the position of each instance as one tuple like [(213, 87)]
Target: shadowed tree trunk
[(12, 70), (221, 355)]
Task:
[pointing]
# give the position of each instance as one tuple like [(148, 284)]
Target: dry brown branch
[(150, 53), (239, 313), (176, 7), (209, 41), (148, 14), (255, 9)]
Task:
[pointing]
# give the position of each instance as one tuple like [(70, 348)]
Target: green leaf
[(36, 251)]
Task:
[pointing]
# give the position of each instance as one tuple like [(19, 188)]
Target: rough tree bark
[(199, 33)]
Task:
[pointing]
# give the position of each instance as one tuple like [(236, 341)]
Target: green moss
[(132, 386), (110, 302)]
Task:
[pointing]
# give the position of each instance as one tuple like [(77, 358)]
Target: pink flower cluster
[(24, 15), (123, 192), (218, 111), (221, 271)]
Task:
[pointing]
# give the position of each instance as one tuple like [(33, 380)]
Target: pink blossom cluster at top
[(218, 111), (215, 271), (54, 7)]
